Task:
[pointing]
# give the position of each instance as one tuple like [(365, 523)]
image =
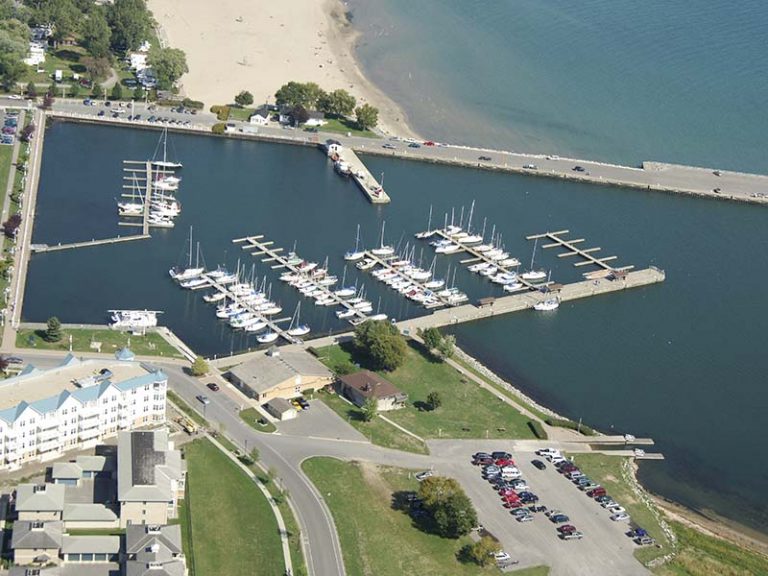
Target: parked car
[(303, 403), (644, 541), (526, 518), (579, 169), (618, 509), (414, 145), (620, 517), (547, 452), (502, 556), (637, 533), (213, 386), (572, 536), (424, 475), (558, 518), (566, 528), (14, 360), (482, 461), (539, 464), (484, 158), (203, 399), (530, 166), (389, 146), (599, 491)]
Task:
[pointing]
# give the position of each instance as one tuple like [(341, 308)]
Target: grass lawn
[(251, 416), (151, 344), (702, 555), (376, 538), (606, 470), (377, 430), (5, 164), (233, 528), (342, 126), (66, 59), (467, 410), (243, 114)]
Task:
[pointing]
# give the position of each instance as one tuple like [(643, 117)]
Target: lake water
[(616, 80), (682, 362)]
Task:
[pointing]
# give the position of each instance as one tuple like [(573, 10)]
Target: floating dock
[(274, 256), (347, 162), (116, 240)]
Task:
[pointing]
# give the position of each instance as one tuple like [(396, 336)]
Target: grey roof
[(265, 371), (28, 571), (171, 568), (96, 463), (125, 354), (31, 534), (152, 543), (280, 405), (146, 466), (90, 545), (88, 513), (35, 498), (68, 470)]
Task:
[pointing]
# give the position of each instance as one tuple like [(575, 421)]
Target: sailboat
[(548, 304), (267, 337), (532, 274), (182, 274), (428, 232), (132, 207), (165, 163), (383, 250), (296, 328), (356, 254)]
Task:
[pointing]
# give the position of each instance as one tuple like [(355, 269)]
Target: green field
[(67, 59), (702, 555), (467, 410), (377, 430), (232, 526), (186, 408), (251, 416), (151, 344), (375, 538), (342, 126)]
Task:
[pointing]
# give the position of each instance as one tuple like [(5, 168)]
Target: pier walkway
[(358, 171), (116, 240)]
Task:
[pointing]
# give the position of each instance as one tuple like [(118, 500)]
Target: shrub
[(199, 367), (571, 425), (222, 112), (537, 429), (219, 128), (189, 103)]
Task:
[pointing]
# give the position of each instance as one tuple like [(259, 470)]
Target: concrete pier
[(370, 187), (116, 240)]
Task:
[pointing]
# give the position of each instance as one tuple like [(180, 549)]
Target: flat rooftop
[(40, 384)]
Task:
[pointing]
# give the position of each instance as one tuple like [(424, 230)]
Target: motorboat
[(512, 286), (448, 249), (267, 337), (378, 317), (133, 319), (534, 275), (346, 313), (130, 209), (509, 262), (345, 292), (215, 297), (434, 284), (479, 267), (548, 304), (366, 264)]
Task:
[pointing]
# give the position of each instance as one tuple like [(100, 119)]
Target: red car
[(504, 492), (566, 529), (511, 498), (213, 386), (501, 462), (429, 143), (513, 505), (599, 491)]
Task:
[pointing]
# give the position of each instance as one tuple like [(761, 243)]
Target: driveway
[(320, 422)]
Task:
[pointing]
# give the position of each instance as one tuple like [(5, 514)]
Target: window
[(100, 557), (87, 557)]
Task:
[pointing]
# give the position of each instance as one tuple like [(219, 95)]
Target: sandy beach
[(235, 45)]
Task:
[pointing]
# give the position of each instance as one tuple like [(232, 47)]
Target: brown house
[(361, 386)]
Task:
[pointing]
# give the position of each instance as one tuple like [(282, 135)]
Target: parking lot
[(604, 549), (321, 422)]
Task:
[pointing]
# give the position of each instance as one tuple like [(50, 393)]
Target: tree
[(199, 366), (11, 71), (254, 455), (169, 64), (450, 507), (370, 409), (381, 343), (431, 337), (337, 103), (31, 90), (4, 363), (367, 116), (98, 69), (447, 346), (63, 14), (98, 91), (482, 552), (96, 33), (138, 93), (117, 91), (11, 226), (299, 115), (26, 132), (130, 23), (48, 101), (434, 400), (304, 94), (53, 332), (244, 99)]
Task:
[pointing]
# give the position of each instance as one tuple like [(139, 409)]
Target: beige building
[(44, 502), (36, 542), (361, 386), (280, 374), (281, 409), (150, 477)]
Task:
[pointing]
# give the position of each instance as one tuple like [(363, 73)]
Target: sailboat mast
[(190, 247), (533, 254)]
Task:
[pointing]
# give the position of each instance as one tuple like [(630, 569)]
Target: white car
[(617, 510), (424, 475), (620, 517), (502, 556), (14, 97)]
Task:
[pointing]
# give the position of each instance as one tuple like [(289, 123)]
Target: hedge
[(571, 425), (219, 128), (189, 103), (537, 429)]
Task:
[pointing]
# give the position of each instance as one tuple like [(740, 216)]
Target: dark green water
[(683, 362)]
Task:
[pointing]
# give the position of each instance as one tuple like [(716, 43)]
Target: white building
[(138, 61), (36, 54), (44, 413)]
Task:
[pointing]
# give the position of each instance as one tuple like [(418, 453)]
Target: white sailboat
[(182, 274), (533, 275), (383, 250), (296, 328), (428, 232), (356, 254), (165, 163), (548, 304)]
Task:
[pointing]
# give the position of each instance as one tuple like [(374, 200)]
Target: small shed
[(281, 409)]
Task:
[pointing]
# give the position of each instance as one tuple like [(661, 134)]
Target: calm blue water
[(683, 362), (618, 80)]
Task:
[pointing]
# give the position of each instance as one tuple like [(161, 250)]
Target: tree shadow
[(68, 55), (422, 351), (409, 503), (422, 406), (78, 68)]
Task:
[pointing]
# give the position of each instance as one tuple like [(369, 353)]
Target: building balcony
[(48, 424), (49, 434), (91, 412), (48, 446), (89, 434), (88, 424)]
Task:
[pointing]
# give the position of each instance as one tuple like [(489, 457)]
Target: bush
[(199, 367), (571, 425), (189, 103), (219, 128), (481, 552), (537, 429), (222, 112)]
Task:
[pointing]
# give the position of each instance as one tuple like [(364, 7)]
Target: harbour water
[(616, 80), (682, 362)]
